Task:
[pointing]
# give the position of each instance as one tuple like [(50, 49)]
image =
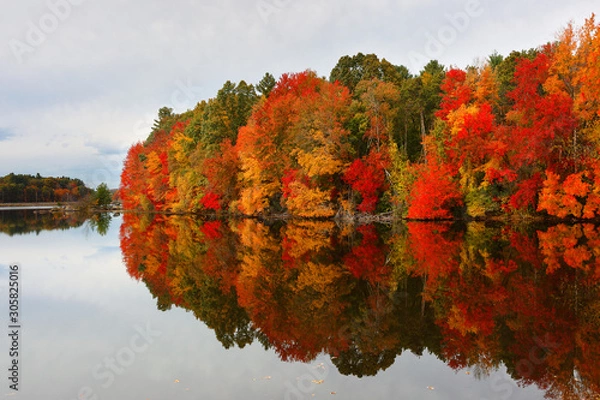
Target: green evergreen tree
[(102, 195)]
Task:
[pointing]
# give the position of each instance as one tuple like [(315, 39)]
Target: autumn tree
[(435, 194), (25, 188), (292, 151), (516, 134), (350, 70), (227, 113), (102, 195)]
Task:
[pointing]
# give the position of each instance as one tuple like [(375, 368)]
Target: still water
[(140, 307)]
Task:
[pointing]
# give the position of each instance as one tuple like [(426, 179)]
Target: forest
[(515, 135), (20, 188)]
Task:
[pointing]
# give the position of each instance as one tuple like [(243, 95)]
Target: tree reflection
[(477, 296), (20, 222), (100, 222)]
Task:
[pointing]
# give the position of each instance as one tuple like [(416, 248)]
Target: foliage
[(367, 177), (266, 84), (434, 195), (514, 135), (102, 195), (299, 127), (22, 188), (100, 222)]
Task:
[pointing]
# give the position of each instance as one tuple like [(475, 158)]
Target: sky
[(82, 80)]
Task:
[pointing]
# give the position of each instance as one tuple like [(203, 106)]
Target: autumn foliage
[(21, 188), (518, 135), (515, 135)]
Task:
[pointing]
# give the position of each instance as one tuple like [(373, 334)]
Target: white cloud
[(109, 65)]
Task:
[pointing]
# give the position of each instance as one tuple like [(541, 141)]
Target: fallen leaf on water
[(468, 372), (333, 393), (318, 382), (430, 388), (176, 380), (266, 378)]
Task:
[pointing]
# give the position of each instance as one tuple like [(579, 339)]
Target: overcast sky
[(82, 80)]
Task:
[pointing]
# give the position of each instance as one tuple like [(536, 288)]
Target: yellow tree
[(293, 148)]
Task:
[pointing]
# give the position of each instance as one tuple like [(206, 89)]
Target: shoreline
[(37, 205), (55, 207), (383, 218), (386, 218)]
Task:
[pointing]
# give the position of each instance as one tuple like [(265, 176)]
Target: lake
[(172, 307)]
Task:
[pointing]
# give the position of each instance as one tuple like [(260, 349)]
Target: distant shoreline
[(34, 206)]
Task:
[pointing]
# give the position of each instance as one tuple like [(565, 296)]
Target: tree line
[(516, 134), (23, 188)]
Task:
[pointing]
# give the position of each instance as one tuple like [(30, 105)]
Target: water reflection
[(25, 221), (29, 220), (100, 222), (477, 296)]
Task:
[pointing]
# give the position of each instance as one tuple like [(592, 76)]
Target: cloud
[(106, 149), (6, 134), (93, 86)]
